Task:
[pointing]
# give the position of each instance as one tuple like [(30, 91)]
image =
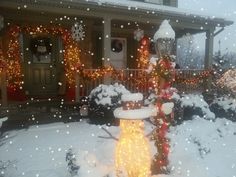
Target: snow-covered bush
[(186, 106), (7, 168), (72, 167), (225, 107), (2, 120), (103, 100), (189, 105)]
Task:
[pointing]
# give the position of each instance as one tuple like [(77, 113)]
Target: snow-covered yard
[(199, 148)]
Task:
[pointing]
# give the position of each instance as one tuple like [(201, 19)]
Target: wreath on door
[(116, 45), (40, 46)]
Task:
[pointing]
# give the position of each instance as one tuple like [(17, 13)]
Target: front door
[(41, 65)]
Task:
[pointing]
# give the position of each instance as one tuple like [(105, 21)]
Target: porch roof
[(152, 9), (128, 10)]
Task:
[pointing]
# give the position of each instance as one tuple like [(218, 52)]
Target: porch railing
[(194, 82), (138, 80)]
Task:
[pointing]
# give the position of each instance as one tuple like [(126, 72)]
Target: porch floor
[(22, 115)]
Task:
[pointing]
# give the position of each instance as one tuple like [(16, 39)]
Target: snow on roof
[(152, 8), (164, 31)]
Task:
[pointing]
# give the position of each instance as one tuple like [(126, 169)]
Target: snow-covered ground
[(199, 148)]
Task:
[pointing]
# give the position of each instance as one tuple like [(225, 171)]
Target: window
[(166, 2)]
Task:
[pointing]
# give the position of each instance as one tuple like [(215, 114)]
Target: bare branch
[(149, 135), (148, 120), (110, 135)]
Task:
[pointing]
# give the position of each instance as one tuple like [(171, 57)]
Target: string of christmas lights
[(132, 152), (143, 52), (3, 64), (71, 52), (14, 70), (194, 79)]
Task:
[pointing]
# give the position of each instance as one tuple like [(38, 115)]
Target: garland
[(163, 76), (195, 79), (14, 71), (3, 65), (143, 52)]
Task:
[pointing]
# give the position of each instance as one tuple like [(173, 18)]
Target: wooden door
[(41, 65)]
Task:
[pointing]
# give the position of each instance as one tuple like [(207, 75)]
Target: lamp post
[(164, 76), (164, 46)]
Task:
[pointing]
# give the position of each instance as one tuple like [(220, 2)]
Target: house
[(35, 37)]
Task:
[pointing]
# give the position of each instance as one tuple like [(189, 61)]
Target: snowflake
[(77, 31)]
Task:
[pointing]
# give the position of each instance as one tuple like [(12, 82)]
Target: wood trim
[(95, 11)]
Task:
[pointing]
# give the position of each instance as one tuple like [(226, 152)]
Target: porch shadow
[(23, 115)]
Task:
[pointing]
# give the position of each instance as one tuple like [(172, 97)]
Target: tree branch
[(151, 133), (110, 135)]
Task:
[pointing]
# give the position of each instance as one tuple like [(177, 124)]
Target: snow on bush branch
[(108, 94)]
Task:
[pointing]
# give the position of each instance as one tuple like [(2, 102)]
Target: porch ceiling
[(48, 11)]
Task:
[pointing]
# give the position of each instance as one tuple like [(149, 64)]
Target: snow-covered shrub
[(2, 120), (7, 168), (225, 107), (103, 100), (190, 105), (197, 101), (72, 167)]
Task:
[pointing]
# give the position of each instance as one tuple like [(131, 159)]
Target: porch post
[(3, 77), (107, 47), (209, 56), (3, 88), (209, 48), (77, 87)]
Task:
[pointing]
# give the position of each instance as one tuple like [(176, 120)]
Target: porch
[(102, 25), (135, 80), (138, 80)]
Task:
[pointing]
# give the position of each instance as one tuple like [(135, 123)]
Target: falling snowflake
[(77, 31)]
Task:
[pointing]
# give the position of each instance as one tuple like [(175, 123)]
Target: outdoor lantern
[(164, 39), (133, 158)]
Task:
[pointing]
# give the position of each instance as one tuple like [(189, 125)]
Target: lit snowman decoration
[(133, 158)]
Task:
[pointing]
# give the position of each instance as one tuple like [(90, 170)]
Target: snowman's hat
[(132, 108)]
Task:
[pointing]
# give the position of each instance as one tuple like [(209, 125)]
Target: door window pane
[(41, 48)]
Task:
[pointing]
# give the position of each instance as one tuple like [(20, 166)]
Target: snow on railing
[(137, 80)]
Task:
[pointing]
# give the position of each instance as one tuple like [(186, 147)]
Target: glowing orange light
[(132, 150)]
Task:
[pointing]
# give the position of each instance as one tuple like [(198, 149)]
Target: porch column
[(3, 87), (209, 56), (209, 48), (107, 47), (3, 78)]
